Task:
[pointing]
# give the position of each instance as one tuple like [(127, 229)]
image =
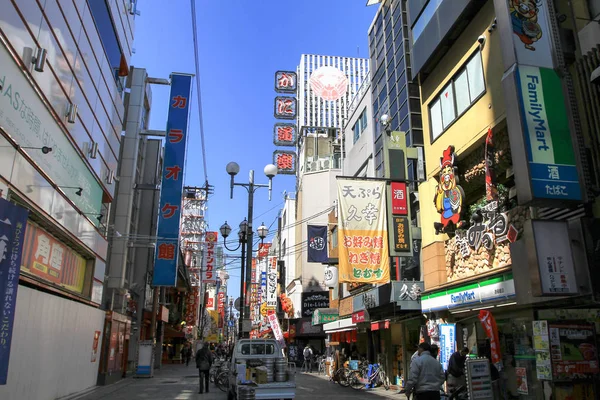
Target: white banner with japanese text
[(362, 234), (272, 283), (208, 259)]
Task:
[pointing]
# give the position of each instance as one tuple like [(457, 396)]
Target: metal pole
[(242, 284), (249, 235)]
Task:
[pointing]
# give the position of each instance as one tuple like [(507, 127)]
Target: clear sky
[(241, 45)]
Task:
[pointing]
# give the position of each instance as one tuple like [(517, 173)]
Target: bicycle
[(321, 365), (378, 377), (222, 381), (341, 377)]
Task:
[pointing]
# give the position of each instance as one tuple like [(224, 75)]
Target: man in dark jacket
[(204, 360), (456, 369)]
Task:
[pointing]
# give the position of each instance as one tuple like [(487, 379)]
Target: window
[(423, 19), (283, 248), (251, 349), (457, 96), (360, 125), (108, 35)]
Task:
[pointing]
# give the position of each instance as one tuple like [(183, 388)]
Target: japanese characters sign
[(208, 261), (167, 246), (317, 244), (362, 233), (447, 343), (48, 258), (313, 300), (285, 134), (401, 234), (285, 107), (192, 299), (550, 153), (286, 82), (285, 161), (407, 294), (271, 273), (399, 195), (13, 221), (554, 257), (277, 332)]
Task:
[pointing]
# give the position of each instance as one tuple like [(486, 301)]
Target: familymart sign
[(502, 287), (550, 153)]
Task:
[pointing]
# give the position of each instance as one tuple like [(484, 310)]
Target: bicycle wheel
[(384, 380), (222, 381), (343, 377), (355, 380)]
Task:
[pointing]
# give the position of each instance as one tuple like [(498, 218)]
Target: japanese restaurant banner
[(167, 246), (317, 244), (271, 289), (362, 233), (208, 259), (491, 331), (12, 229)]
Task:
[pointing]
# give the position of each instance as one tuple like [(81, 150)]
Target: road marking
[(305, 388)]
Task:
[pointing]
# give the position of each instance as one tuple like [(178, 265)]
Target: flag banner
[(491, 192), (491, 331), (362, 233), (13, 220), (208, 260), (271, 294), (317, 244)]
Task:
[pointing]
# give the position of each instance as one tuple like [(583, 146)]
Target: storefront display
[(573, 352)]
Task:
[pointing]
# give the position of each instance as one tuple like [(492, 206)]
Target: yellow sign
[(362, 232)]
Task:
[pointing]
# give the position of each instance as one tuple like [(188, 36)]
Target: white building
[(357, 138)]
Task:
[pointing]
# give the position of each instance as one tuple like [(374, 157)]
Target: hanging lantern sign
[(331, 276)]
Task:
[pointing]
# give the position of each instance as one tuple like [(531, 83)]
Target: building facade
[(492, 214), (62, 74)]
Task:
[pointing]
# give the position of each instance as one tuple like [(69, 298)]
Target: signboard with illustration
[(532, 37), (573, 351), (449, 196), (362, 233), (50, 259), (541, 345)]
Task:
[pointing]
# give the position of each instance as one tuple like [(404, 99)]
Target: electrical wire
[(197, 65)]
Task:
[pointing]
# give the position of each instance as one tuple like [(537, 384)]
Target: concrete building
[(358, 134), (62, 74), (483, 69)]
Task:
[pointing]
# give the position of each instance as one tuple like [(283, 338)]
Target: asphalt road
[(179, 382)]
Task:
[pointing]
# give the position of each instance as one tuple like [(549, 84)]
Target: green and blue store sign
[(485, 291), (550, 151)]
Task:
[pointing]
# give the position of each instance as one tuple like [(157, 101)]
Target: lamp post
[(270, 171)]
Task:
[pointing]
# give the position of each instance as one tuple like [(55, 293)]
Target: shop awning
[(324, 315), (339, 326)]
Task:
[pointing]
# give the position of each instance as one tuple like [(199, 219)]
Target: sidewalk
[(172, 381), (349, 392)]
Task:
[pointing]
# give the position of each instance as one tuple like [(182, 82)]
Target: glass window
[(405, 124), (435, 116), (475, 72), (423, 19), (402, 95), (447, 105), (363, 120), (461, 87), (356, 130), (107, 33)]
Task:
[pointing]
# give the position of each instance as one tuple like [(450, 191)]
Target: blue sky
[(241, 45)]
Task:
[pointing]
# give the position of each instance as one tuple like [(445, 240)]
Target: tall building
[(393, 90), (62, 79), (326, 85), (509, 234)]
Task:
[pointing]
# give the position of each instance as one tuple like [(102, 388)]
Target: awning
[(339, 326), (324, 315)]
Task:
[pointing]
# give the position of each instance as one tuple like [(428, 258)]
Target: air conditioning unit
[(324, 163), (312, 166)]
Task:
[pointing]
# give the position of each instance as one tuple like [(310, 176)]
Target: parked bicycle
[(361, 378), (216, 368), (341, 376), (321, 364), (222, 381)]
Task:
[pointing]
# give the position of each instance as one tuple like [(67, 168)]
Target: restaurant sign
[(407, 295), (494, 289), (324, 315), (313, 300)]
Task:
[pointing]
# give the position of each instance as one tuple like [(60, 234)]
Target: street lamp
[(270, 171)]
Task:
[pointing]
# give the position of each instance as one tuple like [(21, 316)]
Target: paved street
[(181, 383)]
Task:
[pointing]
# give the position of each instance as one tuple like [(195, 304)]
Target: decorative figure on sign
[(449, 195), (286, 305), (524, 17)]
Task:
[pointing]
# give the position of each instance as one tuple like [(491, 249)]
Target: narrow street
[(179, 382)]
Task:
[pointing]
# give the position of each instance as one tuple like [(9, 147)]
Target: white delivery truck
[(259, 366)]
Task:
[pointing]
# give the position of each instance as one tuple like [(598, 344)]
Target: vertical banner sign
[(491, 192), (447, 343), (364, 255), (491, 330), (532, 37), (317, 244), (13, 220), (399, 194), (167, 251), (221, 306), (272, 283), (209, 260), (277, 332), (550, 153)]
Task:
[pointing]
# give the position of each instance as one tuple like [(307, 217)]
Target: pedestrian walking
[(308, 354), (426, 375), (188, 354), (456, 369), (204, 360)]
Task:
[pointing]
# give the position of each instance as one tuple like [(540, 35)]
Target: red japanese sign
[(358, 317), (491, 331), (208, 274), (284, 134), (285, 161), (285, 107), (285, 82), (399, 196), (263, 249)]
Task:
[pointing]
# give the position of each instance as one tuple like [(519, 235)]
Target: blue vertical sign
[(13, 220), (167, 246)]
